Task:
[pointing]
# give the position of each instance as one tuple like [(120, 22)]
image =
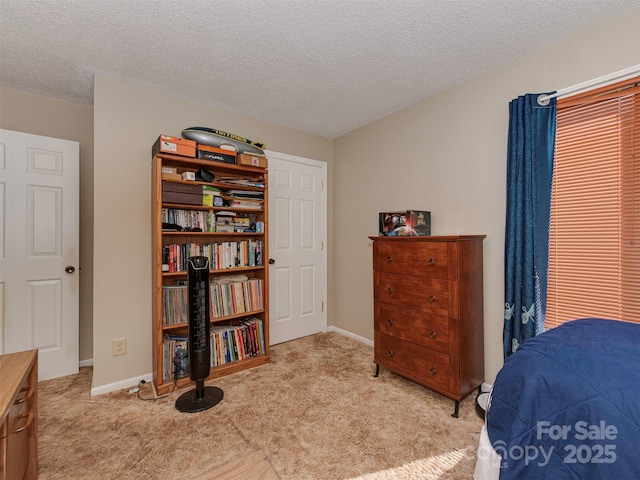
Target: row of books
[(237, 342), (229, 343), (175, 305), (226, 299), (246, 253), (236, 297), (187, 219), (179, 220)]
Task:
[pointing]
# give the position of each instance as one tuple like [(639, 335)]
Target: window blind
[(594, 243)]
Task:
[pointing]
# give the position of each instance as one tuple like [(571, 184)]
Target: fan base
[(191, 402)]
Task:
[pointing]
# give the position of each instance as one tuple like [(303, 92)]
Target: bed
[(566, 405)]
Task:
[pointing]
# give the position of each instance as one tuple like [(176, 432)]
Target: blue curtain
[(532, 130)]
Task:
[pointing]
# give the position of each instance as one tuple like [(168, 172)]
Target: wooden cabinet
[(19, 415), (428, 311), (240, 309)]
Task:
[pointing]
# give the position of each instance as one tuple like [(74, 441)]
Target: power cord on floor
[(154, 397), (179, 368)]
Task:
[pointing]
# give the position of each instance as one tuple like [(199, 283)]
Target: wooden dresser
[(428, 311), (19, 415)]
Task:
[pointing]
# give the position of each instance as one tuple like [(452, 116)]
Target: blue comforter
[(566, 404)]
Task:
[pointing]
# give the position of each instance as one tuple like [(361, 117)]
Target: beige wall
[(447, 154), (40, 115), (128, 120)]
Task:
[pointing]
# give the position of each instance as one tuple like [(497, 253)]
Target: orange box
[(253, 160), (175, 145)]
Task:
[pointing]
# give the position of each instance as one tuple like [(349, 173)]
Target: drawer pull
[(390, 322), (431, 262), (389, 259), (432, 298), (27, 422), (433, 371), (389, 290), (390, 353), (433, 334), (27, 395)]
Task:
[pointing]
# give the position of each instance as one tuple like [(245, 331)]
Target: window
[(594, 241)]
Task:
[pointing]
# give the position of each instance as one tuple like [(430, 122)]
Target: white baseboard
[(86, 363), (120, 385), (346, 333)]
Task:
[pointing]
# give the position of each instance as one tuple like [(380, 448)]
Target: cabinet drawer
[(17, 444), (414, 361), (419, 293), (19, 425), (431, 331), (430, 259)]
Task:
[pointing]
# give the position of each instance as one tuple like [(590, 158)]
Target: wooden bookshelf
[(161, 239)]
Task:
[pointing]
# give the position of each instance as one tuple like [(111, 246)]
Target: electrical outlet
[(119, 346)]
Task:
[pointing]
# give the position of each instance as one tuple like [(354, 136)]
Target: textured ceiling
[(320, 66)]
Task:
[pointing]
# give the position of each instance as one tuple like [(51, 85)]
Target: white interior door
[(297, 238), (39, 242)]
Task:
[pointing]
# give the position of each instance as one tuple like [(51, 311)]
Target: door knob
[(271, 261), (69, 269)]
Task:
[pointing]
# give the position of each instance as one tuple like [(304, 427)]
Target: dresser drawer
[(419, 293), (414, 361), (19, 426), (431, 331), (430, 259)]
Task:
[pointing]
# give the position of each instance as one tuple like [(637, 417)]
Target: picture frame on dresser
[(428, 311)]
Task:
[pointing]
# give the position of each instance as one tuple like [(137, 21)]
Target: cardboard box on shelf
[(171, 176), (252, 159), (175, 145)]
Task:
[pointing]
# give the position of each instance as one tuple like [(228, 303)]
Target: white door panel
[(297, 226), (39, 216)]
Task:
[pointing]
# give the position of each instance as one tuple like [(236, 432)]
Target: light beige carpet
[(254, 466), (314, 412)]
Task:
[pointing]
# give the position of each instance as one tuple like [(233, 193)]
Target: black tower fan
[(202, 398)]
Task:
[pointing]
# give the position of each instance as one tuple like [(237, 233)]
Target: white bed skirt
[(488, 463)]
